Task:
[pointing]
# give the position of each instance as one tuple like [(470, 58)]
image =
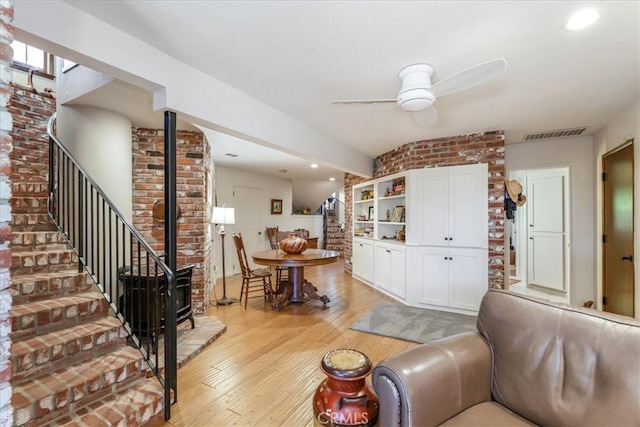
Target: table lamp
[(221, 216)]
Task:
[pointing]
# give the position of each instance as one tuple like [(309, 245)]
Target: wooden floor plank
[(264, 369)]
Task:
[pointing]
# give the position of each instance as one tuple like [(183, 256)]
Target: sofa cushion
[(487, 414), (556, 364)]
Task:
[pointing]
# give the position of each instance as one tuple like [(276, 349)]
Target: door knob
[(627, 258)]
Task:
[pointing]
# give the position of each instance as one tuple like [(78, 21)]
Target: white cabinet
[(362, 260), (421, 236), (447, 277), (390, 268), (449, 207)]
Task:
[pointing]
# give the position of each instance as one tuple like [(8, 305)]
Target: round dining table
[(297, 286)]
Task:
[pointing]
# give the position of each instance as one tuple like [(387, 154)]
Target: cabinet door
[(390, 268), (362, 260), (468, 277), (468, 206), (428, 221), (427, 274)]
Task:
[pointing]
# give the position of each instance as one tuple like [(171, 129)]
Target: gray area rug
[(413, 324)]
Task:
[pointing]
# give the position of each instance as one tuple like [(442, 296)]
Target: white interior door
[(547, 218), (247, 204)]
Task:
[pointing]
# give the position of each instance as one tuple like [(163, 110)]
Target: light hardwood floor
[(264, 369)]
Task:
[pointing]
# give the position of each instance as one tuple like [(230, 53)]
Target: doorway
[(617, 247), (539, 238), (247, 202)]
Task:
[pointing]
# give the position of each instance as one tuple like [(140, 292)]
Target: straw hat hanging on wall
[(514, 189)]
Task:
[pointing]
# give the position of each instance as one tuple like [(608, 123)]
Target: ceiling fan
[(417, 93)]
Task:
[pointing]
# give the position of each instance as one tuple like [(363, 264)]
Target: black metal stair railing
[(129, 273)]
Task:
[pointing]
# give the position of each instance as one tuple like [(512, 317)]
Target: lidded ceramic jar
[(344, 398), (294, 244)]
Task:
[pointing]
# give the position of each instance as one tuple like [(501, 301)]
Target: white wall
[(577, 154), (101, 142), (624, 126)]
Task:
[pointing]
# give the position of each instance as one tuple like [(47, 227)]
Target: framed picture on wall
[(276, 206)]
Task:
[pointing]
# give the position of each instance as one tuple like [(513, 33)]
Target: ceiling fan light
[(415, 104), (415, 100)]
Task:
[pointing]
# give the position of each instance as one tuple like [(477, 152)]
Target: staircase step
[(30, 319), (30, 189), (38, 286), (38, 261), (60, 393), (31, 241), (29, 204), (134, 407), (31, 222), (33, 356)]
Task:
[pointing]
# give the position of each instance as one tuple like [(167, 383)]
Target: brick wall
[(194, 242), (487, 147), (6, 142)]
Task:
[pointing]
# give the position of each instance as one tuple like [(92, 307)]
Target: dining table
[(297, 286)]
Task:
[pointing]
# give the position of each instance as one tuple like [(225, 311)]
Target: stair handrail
[(150, 275)]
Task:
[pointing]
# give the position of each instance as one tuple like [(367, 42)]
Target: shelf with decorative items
[(364, 211), (391, 206)]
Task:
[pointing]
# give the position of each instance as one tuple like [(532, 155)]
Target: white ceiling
[(298, 56)]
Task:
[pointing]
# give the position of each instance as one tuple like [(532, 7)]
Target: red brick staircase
[(70, 359), (334, 233)]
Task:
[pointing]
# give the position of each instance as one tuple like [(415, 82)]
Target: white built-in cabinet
[(446, 277), (390, 268), (450, 205), (362, 260), (443, 213)]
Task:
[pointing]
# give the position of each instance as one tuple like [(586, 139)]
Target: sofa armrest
[(429, 384)]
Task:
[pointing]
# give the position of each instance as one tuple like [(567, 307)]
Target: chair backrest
[(242, 255), (272, 232)]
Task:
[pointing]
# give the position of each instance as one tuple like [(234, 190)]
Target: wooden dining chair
[(253, 281), (282, 276)]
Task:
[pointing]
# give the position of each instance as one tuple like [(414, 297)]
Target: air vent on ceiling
[(551, 134)]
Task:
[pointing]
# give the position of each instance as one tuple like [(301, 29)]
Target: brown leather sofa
[(531, 363)]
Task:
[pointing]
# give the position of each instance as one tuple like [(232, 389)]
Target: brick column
[(194, 240), (6, 123)]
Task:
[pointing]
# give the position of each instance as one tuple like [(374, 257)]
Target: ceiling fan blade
[(363, 101), (469, 78), (426, 117)]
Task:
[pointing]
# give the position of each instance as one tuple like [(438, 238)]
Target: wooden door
[(618, 281)]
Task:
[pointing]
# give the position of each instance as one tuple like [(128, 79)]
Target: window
[(27, 58)]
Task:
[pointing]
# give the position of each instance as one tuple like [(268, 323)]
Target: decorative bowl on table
[(293, 244)]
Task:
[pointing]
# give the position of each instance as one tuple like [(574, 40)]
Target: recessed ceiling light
[(332, 179), (314, 165), (581, 19)]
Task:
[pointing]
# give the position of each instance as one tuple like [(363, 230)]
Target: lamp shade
[(223, 215)]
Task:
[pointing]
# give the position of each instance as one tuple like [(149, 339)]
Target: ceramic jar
[(344, 398), (293, 244)]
